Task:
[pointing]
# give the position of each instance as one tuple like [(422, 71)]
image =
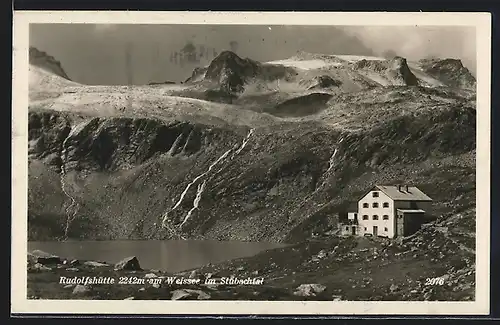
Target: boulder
[(336, 298), (39, 267), (179, 294), (306, 290), (189, 293), (212, 286), (393, 287), (129, 263), (201, 295), (80, 289), (95, 264), (43, 258)]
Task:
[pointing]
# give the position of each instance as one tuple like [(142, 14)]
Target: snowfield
[(355, 58), (421, 75), (306, 64)]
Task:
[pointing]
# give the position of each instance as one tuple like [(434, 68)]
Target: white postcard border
[(19, 301)]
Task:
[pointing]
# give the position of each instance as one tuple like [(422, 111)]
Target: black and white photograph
[(263, 161)]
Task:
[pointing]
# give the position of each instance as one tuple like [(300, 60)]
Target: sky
[(110, 54)]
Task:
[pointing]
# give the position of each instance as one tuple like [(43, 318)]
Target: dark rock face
[(325, 81), (378, 66), (302, 106), (449, 71), (47, 62), (110, 143), (399, 70), (46, 133), (396, 69), (198, 74), (129, 263), (162, 83), (232, 72)]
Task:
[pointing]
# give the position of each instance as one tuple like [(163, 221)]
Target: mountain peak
[(231, 71), (450, 70), (47, 62), (227, 55)]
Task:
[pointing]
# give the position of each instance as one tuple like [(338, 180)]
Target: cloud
[(417, 42)]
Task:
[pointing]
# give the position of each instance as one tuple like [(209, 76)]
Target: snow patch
[(306, 64), (354, 58)]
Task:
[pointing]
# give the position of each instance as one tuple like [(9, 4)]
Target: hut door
[(375, 231)]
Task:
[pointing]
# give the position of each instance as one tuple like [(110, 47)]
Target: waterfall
[(64, 158), (196, 201), (183, 194), (332, 157), (244, 144), (201, 187)]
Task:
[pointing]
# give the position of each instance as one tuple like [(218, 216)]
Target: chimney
[(400, 187), (406, 188)]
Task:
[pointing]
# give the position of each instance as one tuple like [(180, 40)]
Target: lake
[(168, 255)]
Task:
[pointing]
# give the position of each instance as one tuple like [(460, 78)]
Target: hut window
[(365, 205), (365, 217), (375, 204), (385, 217), (375, 217), (386, 204), (375, 194)]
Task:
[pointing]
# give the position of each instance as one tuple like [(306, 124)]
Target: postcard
[(327, 163)]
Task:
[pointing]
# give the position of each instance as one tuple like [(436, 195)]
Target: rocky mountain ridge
[(45, 61)]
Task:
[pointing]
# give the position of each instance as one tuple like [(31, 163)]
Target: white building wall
[(366, 226), (351, 215)]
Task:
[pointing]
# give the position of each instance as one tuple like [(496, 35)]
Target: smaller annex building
[(387, 211)]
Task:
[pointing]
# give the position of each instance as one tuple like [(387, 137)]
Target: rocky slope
[(255, 151), (139, 162)]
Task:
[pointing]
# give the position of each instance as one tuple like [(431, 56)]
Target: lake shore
[(54, 277), (324, 269)]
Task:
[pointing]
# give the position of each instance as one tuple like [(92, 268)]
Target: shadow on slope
[(302, 106)]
